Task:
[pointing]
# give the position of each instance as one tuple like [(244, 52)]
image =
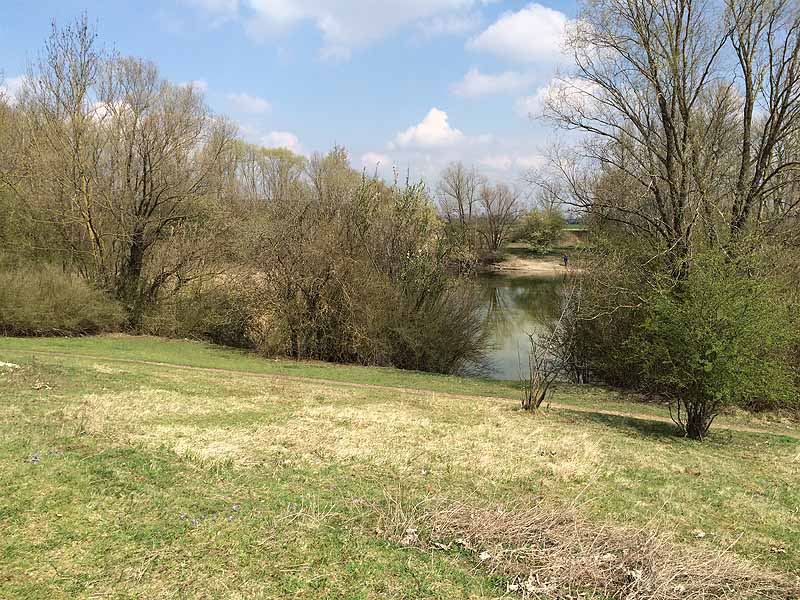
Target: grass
[(129, 480), (208, 356)]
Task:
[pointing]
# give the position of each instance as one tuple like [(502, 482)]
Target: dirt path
[(404, 390)]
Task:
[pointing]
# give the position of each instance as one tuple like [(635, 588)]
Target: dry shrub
[(555, 554), (44, 300)]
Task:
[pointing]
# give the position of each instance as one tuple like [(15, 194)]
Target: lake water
[(514, 308)]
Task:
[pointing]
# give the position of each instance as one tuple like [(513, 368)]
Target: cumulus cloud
[(247, 103), (347, 24), (434, 130), (535, 34), (282, 139), (476, 83)]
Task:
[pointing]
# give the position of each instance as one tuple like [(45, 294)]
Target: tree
[(540, 229), (121, 165), (458, 193), (717, 339), (688, 112), (499, 206), (690, 109)]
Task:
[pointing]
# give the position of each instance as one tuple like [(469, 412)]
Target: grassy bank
[(124, 479), (208, 356)]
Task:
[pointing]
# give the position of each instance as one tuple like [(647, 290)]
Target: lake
[(515, 307)]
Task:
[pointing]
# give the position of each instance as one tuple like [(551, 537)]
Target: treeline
[(482, 218), (126, 204), (688, 169)]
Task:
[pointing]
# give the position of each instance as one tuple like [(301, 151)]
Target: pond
[(514, 308)]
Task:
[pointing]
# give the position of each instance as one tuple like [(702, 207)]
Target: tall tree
[(690, 109), (121, 164)]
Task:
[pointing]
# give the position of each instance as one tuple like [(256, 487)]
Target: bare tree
[(690, 107), (458, 194), (500, 207)]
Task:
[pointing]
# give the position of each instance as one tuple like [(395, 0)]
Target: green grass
[(203, 355), (154, 482)]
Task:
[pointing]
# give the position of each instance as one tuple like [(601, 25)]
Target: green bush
[(717, 339), (43, 300), (540, 229)]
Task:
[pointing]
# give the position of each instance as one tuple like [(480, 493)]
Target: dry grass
[(348, 425), (556, 554)]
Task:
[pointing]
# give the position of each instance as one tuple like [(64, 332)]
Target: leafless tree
[(691, 109), (458, 194), (500, 208)]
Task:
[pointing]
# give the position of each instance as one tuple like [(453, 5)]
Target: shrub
[(46, 301), (717, 339), (353, 270), (541, 229), (217, 311)]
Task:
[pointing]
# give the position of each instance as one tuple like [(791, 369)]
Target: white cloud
[(11, 87), (529, 107), (566, 92), (433, 131), (476, 83), (506, 162), (532, 161), (500, 163), (373, 160), (282, 139), (198, 85), (349, 24), (246, 103), (534, 34)]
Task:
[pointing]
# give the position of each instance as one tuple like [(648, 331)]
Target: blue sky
[(407, 83)]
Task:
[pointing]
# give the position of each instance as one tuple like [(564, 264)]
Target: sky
[(404, 85)]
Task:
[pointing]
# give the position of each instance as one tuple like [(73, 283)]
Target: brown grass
[(555, 554)]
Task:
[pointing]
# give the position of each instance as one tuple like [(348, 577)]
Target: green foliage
[(541, 229), (717, 339), (47, 301)]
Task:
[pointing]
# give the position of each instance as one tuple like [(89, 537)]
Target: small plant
[(547, 358), (543, 370)]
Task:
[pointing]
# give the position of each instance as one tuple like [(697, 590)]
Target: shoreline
[(516, 266)]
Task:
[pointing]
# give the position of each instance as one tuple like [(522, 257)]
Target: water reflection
[(515, 307)]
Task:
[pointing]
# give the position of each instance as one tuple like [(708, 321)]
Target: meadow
[(140, 467)]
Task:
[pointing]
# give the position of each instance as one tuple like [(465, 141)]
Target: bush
[(217, 312), (540, 229), (719, 338), (355, 271), (46, 301)]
